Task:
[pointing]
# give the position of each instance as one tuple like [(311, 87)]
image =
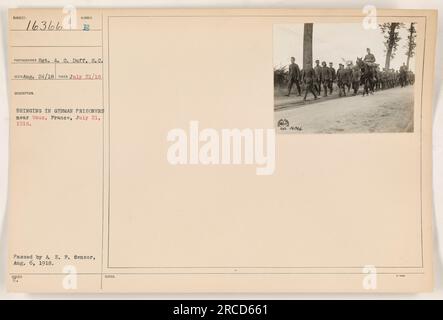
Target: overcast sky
[(335, 42)]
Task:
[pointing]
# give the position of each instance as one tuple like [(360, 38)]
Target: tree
[(307, 44), (392, 37), (410, 46)]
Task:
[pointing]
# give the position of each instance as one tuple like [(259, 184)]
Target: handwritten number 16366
[(34, 25)]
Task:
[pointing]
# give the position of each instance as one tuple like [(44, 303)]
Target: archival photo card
[(156, 150)]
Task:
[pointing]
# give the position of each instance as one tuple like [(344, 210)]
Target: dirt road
[(385, 111)]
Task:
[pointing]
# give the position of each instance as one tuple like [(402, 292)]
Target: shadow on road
[(281, 103)]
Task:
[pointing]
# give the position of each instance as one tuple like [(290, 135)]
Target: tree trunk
[(307, 44), (390, 44), (411, 33), (388, 58)]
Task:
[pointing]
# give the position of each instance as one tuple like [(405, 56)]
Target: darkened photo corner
[(344, 78)]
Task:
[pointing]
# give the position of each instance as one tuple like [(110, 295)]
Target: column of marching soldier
[(314, 79)]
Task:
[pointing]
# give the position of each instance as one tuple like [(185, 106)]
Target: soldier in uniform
[(325, 78), (333, 76), (317, 80), (384, 79), (403, 75), (308, 76), (411, 77), (389, 78), (341, 80), (356, 77), (294, 77), (370, 60), (379, 78), (369, 57), (348, 72), (392, 78)]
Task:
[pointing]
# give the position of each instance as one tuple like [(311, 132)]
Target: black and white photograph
[(344, 77)]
